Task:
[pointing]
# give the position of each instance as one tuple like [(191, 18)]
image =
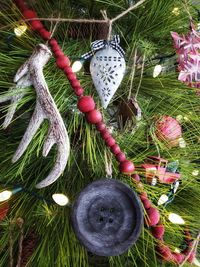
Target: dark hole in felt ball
[(101, 219), (110, 220)]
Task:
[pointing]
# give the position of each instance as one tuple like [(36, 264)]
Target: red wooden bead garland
[(95, 117), (86, 104)]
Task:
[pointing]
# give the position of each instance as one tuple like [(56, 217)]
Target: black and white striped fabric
[(100, 44)]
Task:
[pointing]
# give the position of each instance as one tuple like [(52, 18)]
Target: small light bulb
[(182, 143), (77, 65), (162, 200), (177, 250), (157, 70), (5, 195), (60, 199), (195, 173), (20, 30), (175, 218), (176, 11), (179, 118), (196, 262)]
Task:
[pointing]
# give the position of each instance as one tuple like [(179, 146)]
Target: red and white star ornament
[(188, 51)]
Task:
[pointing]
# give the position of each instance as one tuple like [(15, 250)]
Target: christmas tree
[(136, 107)]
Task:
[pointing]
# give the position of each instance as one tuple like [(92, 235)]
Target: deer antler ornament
[(31, 73)]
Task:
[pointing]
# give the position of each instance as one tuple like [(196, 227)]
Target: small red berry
[(62, 62), (36, 25), (86, 104), (94, 116), (127, 167)]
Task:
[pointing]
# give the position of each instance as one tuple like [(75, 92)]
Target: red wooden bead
[(110, 141), (86, 104), (146, 203), (121, 157), (100, 126), (143, 195), (158, 231), (75, 83), (44, 34), (105, 134), (71, 76), (68, 71), (127, 166), (62, 62), (153, 216), (29, 14), (94, 116), (79, 91), (22, 6), (165, 253), (53, 42), (115, 149), (55, 48), (178, 258), (136, 177), (59, 53), (36, 25)]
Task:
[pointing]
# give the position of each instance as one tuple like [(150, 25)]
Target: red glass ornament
[(86, 104), (94, 116), (127, 167), (168, 129), (62, 62)]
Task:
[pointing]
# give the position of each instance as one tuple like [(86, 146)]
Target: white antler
[(31, 73)]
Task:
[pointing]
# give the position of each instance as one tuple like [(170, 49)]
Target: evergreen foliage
[(146, 29)]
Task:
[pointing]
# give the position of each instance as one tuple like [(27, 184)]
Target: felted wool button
[(107, 217)]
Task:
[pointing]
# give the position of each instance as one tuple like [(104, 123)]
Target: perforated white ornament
[(107, 68)]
